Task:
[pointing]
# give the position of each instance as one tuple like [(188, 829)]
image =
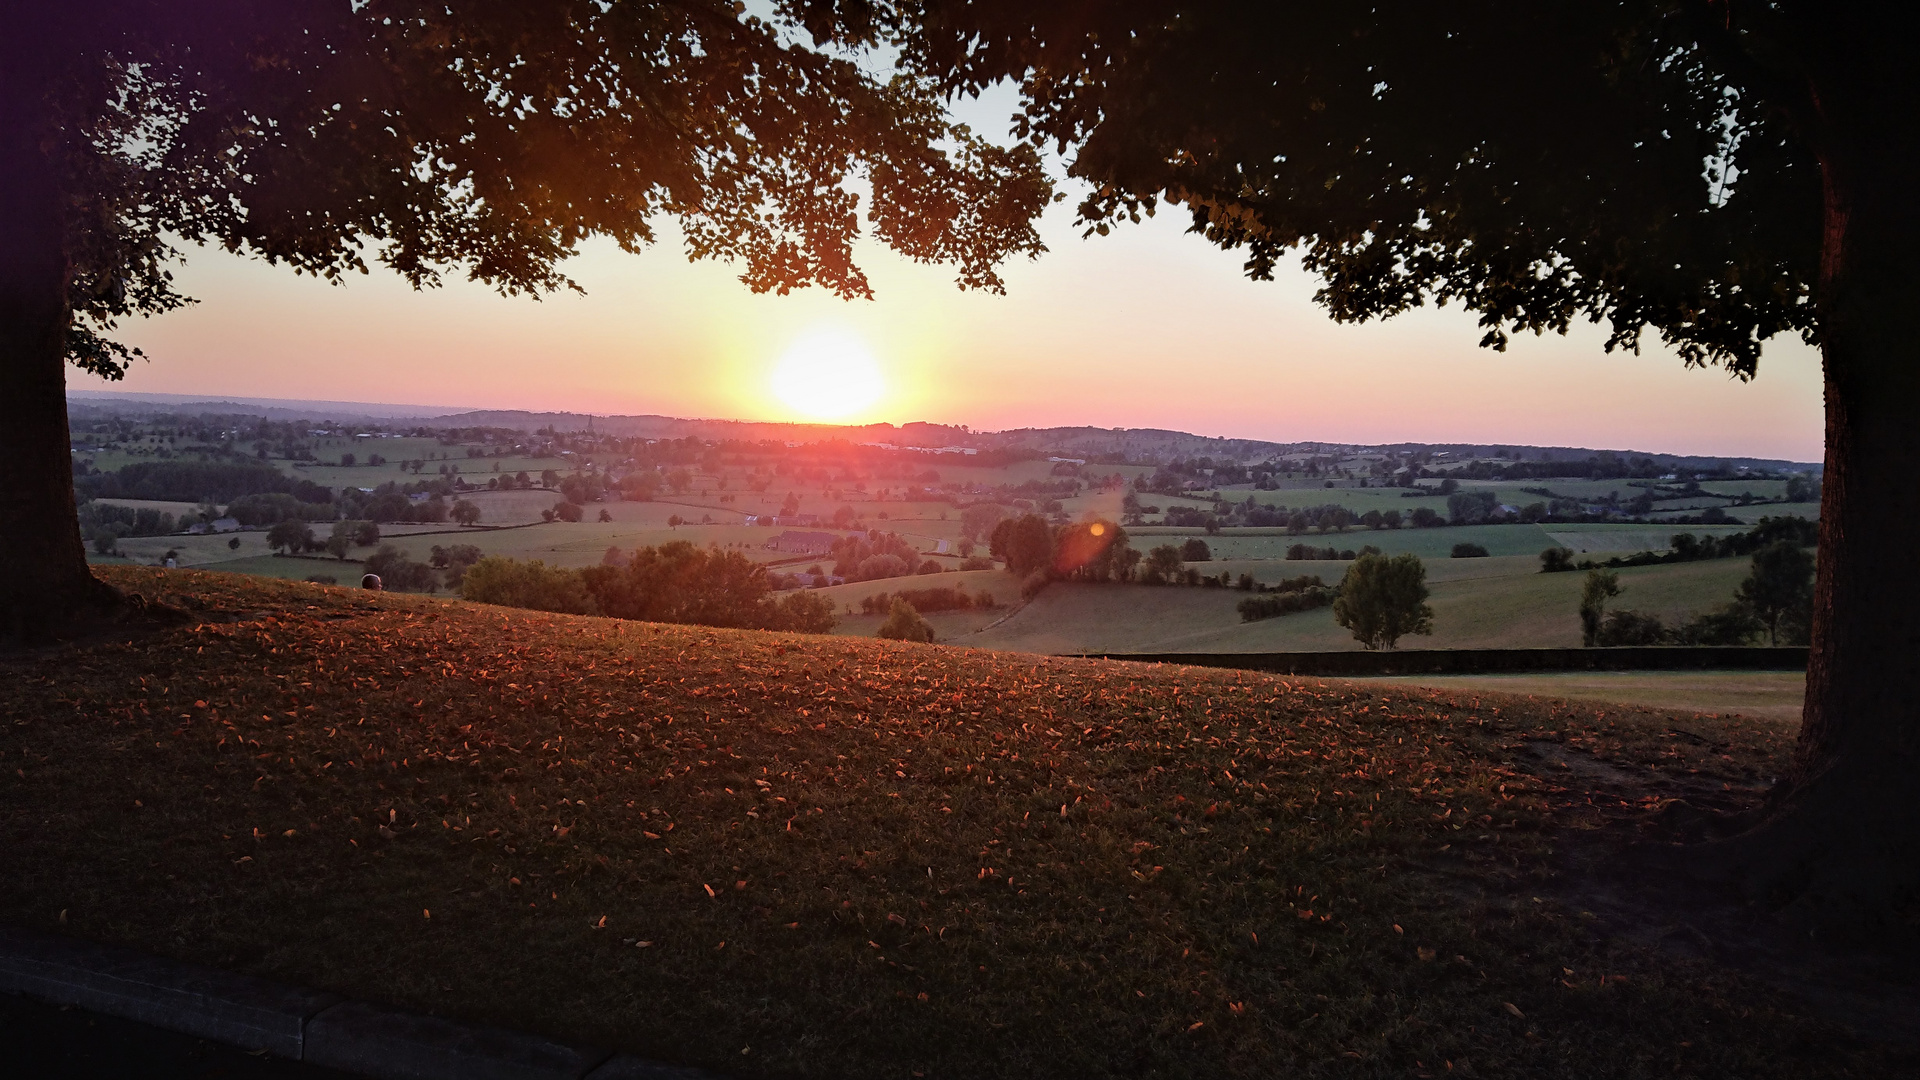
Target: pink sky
[(1148, 327)]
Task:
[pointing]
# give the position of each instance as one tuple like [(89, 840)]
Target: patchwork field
[(780, 856)]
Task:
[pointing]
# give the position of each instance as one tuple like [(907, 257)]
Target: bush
[(976, 562), (931, 566), (1556, 560), (567, 511), (1195, 550), (1469, 551), (905, 624), (1270, 605), (1034, 584)]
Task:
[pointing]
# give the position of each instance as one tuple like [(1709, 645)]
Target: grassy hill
[(776, 855)]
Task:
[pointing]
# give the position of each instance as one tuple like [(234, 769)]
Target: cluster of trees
[(1775, 601), (98, 518), (944, 598), (1469, 551), (876, 554), (676, 582), (193, 481)]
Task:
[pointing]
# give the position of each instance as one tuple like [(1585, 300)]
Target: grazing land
[(778, 855), (1774, 696)]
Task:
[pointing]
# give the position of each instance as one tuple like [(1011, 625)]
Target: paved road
[(44, 1041)]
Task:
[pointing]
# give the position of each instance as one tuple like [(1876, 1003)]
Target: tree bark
[(1838, 848), (48, 583)]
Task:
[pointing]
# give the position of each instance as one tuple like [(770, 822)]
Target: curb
[(303, 1025)]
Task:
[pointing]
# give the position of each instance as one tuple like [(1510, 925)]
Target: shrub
[(931, 566), (566, 510), (1556, 560), (1034, 584), (1269, 605), (1469, 551), (905, 624), (976, 562), (1195, 550)]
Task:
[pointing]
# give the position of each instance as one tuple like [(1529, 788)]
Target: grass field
[(780, 856), (1492, 603), (1773, 696)]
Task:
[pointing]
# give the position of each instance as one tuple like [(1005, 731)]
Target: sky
[(1147, 327)]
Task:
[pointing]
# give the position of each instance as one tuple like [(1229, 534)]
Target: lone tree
[(1598, 587), (1780, 589), (1714, 172), (1383, 599), (476, 136)]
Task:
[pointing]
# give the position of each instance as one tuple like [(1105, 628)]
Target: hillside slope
[(774, 855)]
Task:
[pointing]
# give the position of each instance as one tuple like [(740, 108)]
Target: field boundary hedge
[(1488, 661)]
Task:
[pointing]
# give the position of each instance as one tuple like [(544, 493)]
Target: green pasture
[(1774, 696), (1437, 543), (1493, 603)]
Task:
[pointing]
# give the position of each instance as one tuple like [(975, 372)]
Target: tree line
[(676, 582)]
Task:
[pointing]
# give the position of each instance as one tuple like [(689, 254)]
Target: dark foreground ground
[(786, 856), (41, 1042)]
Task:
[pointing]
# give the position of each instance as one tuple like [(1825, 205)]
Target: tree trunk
[(47, 582), (1838, 847)]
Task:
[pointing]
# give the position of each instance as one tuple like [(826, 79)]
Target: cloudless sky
[(1147, 327)]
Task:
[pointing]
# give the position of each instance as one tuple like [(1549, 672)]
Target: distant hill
[(113, 401), (1094, 443)]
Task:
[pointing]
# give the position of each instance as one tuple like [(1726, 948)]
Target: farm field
[(1426, 543), (1477, 603), (1772, 696)]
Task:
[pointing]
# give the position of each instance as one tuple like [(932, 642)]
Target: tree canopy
[(491, 138), (1536, 163)]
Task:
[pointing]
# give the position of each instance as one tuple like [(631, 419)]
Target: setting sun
[(828, 375)]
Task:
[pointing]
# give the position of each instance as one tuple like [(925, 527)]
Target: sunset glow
[(828, 375)]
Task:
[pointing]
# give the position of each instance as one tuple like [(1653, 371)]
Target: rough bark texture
[(1839, 847), (51, 585)]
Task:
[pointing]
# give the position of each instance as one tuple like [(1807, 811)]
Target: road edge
[(290, 1022)]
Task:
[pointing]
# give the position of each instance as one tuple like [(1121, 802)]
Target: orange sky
[(1148, 327)]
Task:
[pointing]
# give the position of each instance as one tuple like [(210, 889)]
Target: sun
[(828, 375)]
